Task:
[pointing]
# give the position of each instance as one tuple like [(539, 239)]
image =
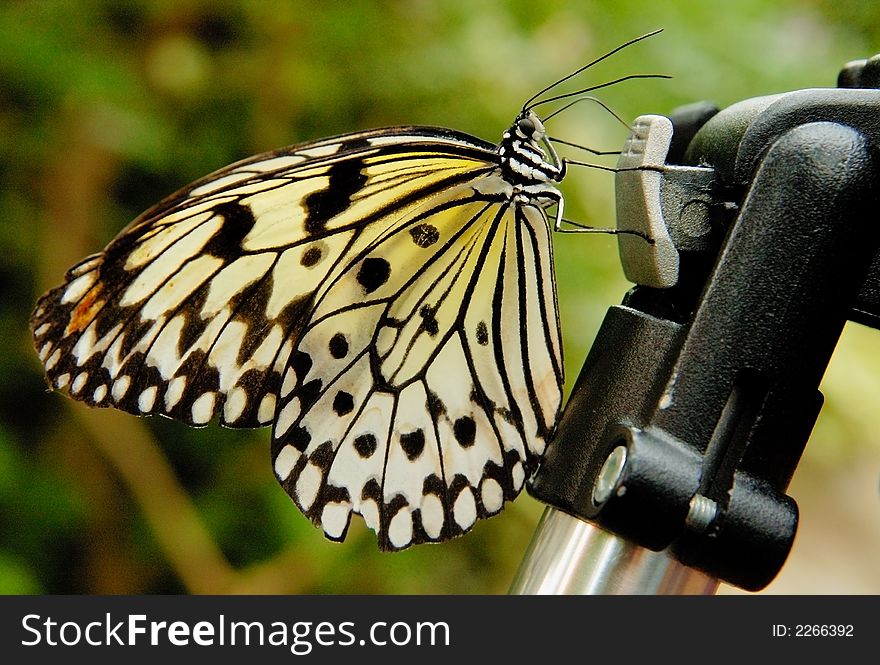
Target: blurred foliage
[(106, 107)]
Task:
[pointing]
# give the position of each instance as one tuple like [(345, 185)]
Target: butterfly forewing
[(193, 310), (383, 299)]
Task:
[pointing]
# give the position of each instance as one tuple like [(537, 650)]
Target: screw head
[(701, 514), (609, 475)]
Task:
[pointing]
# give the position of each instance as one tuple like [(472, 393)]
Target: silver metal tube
[(570, 556)]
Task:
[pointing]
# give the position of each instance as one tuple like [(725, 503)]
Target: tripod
[(694, 405)]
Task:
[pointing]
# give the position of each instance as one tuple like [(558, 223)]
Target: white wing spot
[(518, 475), (334, 518), (120, 387), (400, 531), (62, 380), (45, 350), (174, 391), (100, 393), (465, 508), (370, 512), (289, 413), (86, 265), (321, 150), (235, 404), (39, 332), (203, 407), (85, 345), (147, 399), (213, 185), (267, 409), (394, 139), (272, 164), (308, 484), (79, 382), (53, 359), (492, 495), (289, 382), (285, 461), (432, 515), (77, 288)]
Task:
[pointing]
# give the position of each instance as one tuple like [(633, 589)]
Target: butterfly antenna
[(599, 86), (577, 145), (531, 99), (587, 98)]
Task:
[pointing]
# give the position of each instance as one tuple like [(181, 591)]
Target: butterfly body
[(385, 300)]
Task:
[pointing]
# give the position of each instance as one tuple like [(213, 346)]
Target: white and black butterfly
[(384, 299)]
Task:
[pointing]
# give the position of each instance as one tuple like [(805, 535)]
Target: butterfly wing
[(426, 384), (373, 295), (193, 310)]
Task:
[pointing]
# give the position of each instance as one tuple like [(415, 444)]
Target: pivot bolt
[(609, 475)]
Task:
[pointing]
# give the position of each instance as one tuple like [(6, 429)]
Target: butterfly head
[(527, 158)]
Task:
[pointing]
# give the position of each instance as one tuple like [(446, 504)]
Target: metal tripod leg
[(570, 556)]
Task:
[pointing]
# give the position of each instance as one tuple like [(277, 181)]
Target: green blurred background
[(106, 107)]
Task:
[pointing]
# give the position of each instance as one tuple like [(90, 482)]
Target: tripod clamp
[(698, 396)]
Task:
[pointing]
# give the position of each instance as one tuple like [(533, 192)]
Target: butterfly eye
[(526, 126)]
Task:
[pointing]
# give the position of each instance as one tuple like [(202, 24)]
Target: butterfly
[(385, 300)]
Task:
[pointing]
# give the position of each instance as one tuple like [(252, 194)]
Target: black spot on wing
[(301, 362), (465, 430), (299, 438), (323, 456), (429, 322), (330, 494), (110, 316), (372, 490), (343, 403), (374, 272), (308, 393), (249, 306), (365, 445), (345, 180), (311, 257), (293, 315), (413, 443), (338, 346), (424, 235), (513, 417), (238, 220), (482, 334), (434, 485), (256, 383), (435, 405)]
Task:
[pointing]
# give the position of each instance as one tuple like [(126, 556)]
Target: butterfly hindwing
[(410, 397)]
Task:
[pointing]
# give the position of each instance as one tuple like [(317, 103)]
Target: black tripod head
[(698, 396)]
